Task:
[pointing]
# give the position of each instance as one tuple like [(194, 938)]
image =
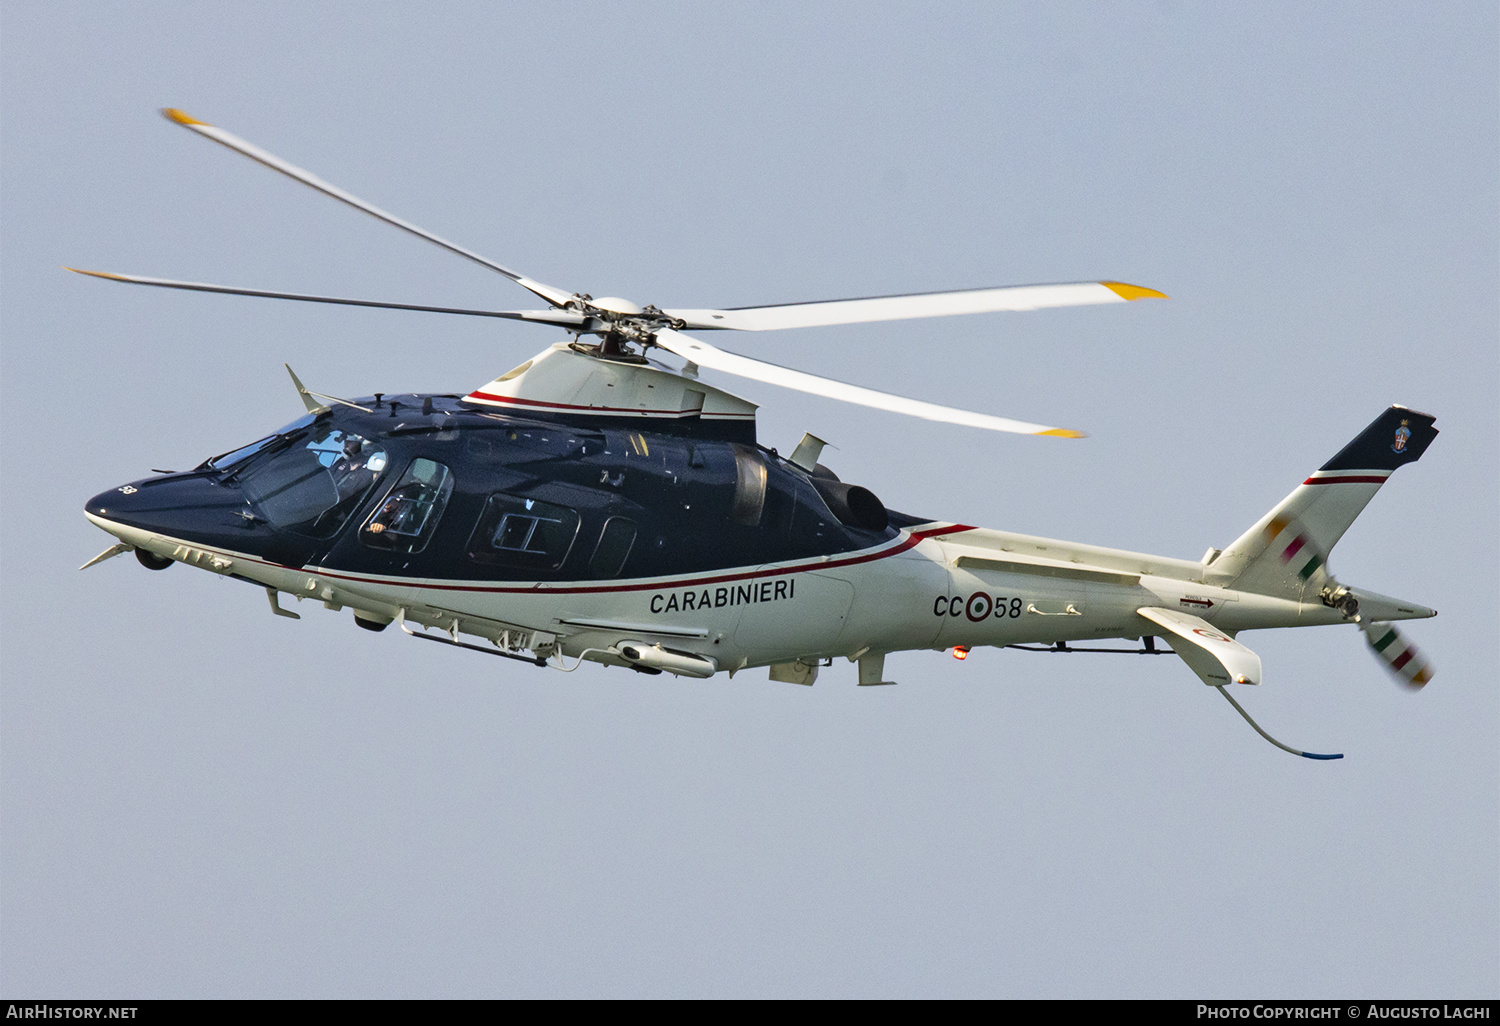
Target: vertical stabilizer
[(1287, 550)]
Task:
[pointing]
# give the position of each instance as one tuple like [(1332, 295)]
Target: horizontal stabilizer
[(1208, 651)]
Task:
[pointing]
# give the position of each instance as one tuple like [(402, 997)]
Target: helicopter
[(598, 504)]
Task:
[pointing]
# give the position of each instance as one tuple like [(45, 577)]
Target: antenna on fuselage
[(309, 397), (1222, 689)]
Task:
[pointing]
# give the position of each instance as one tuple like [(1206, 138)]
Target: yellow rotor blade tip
[(93, 274), (1063, 433), (173, 114), (1132, 292)]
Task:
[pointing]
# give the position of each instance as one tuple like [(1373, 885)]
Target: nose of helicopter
[(184, 507), (195, 509), (115, 508), (102, 506)]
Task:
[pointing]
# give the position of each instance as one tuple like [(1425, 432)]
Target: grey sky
[(199, 799)]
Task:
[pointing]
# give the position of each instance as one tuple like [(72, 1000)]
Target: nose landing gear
[(151, 561)]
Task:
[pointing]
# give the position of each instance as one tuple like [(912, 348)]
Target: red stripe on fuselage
[(541, 588)]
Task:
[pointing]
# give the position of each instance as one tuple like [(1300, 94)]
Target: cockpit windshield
[(313, 484), (244, 452)]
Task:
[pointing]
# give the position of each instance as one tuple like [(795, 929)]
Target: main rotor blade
[(919, 304), (560, 318), (555, 296), (705, 355)]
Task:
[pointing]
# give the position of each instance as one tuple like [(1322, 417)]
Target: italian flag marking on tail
[(1297, 544), (1398, 653)]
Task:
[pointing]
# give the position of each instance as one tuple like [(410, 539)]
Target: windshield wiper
[(281, 444)]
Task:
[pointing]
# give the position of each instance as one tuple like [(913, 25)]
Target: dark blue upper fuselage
[(434, 487)]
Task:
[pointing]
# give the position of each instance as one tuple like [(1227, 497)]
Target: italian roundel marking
[(978, 606), (1213, 635)]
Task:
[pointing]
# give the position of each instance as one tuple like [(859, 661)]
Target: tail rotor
[(1398, 654)]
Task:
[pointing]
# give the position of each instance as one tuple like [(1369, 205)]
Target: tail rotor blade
[(1398, 654)]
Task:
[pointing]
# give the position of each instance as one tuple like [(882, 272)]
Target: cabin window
[(408, 517), (613, 549), (528, 534)]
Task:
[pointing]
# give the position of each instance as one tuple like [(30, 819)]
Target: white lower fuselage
[(934, 587)]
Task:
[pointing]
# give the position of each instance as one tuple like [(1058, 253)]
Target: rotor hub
[(619, 323)]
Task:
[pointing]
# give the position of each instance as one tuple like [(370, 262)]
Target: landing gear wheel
[(150, 561)]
